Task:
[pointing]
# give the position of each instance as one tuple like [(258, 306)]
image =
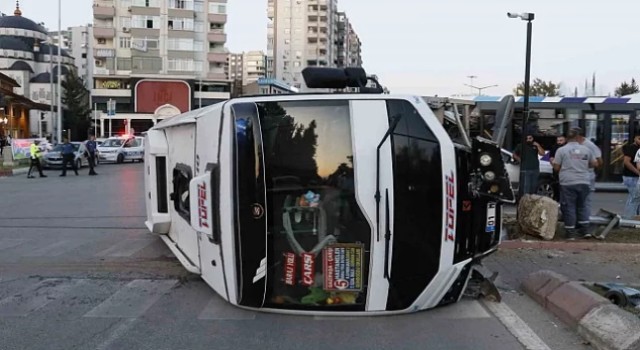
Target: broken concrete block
[(538, 216), (609, 327)]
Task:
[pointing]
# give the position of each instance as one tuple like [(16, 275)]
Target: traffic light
[(41, 116)]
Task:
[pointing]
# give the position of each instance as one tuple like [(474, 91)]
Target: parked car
[(120, 149), (545, 180), (53, 158)]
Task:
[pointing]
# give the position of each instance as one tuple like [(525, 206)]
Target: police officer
[(91, 152), (35, 159), (68, 156)]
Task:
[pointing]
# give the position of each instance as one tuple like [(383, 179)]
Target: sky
[(430, 47)]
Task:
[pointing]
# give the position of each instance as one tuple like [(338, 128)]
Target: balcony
[(217, 76), (104, 53), (217, 18), (217, 37), (104, 32), (103, 11), (217, 57)]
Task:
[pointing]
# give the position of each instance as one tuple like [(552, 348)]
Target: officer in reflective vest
[(35, 159)]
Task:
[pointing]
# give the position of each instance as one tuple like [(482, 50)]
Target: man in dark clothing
[(560, 141), (68, 156), (630, 178), (531, 165), (91, 152)]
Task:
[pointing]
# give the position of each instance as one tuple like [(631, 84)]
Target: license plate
[(491, 217)]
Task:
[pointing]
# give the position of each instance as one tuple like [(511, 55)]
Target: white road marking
[(516, 326), (57, 248), (132, 300), (220, 309), (126, 248), (117, 333), (11, 243), (35, 297)]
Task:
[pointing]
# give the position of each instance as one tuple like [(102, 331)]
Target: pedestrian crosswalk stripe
[(57, 248), (7, 243), (132, 300), (126, 248), (220, 309), (36, 297)]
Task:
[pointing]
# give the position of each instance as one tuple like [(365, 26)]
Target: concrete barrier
[(605, 325)]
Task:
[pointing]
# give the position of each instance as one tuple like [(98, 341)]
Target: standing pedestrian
[(91, 152), (35, 155), (597, 155), (3, 143), (573, 162), (560, 141), (630, 175), (531, 166), (68, 156)]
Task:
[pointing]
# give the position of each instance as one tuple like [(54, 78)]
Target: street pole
[(95, 119), (59, 71), (52, 89), (525, 113)]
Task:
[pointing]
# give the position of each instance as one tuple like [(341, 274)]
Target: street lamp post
[(59, 101), (527, 76), (480, 88)]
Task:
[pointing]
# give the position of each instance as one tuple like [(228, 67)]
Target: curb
[(605, 325), (567, 245), (13, 172)]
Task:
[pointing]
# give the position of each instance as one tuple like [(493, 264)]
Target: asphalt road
[(78, 270)]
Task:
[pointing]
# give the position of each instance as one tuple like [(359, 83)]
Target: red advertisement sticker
[(342, 266), (290, 269), (308, 269)]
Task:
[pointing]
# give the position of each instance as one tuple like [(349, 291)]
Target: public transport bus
[(329, 203)]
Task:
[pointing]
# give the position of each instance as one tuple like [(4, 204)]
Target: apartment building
[(157, 58), (348, 44), (78, 41), (246, 68), (300, 34)]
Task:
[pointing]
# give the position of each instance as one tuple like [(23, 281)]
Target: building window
[(180, 44), (146, 3), (125, 22), (181, 4), (124, 43), (149, 22), (181, 23), (217, 8)]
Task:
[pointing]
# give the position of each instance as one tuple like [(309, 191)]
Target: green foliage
[(539, 88), (78, 109), (627, 88)]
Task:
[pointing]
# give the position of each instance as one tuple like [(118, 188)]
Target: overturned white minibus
[(334, 203)]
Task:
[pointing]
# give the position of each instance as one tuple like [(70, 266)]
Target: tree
[(76, 99), (627, 88), (539, 87)]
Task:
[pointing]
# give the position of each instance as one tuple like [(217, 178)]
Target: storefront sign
[(151, 94), (342, 266), (111, 84)]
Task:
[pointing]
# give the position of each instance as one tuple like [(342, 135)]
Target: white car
[(121, 149), (53, 158), (545, 179)]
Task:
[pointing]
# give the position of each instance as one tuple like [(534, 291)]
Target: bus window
[(318, 238)]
